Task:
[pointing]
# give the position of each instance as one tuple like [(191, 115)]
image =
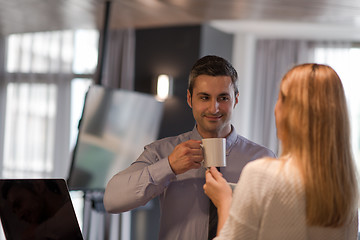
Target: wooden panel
[(41, 15)]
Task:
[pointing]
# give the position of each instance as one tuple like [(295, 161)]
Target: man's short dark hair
[(213, 66)]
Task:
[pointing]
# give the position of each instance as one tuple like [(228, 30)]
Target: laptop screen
[(37, 209)]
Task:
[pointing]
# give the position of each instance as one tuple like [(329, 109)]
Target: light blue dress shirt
[(183, 203)]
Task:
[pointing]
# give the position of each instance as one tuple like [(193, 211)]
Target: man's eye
[(224, 98), (204, 98)]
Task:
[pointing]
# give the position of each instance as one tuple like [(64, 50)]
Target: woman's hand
[(217, 188), (220, 193)]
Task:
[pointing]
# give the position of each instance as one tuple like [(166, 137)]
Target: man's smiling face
[(212, 102)]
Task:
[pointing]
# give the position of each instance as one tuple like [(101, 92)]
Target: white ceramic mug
[(214, 150)]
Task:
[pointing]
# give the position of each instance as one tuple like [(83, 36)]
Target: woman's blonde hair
[(316, 133)]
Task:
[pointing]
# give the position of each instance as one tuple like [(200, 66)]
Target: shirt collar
[(230, 140), (195, 134)]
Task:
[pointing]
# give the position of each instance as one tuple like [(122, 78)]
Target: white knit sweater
[(269, 203)]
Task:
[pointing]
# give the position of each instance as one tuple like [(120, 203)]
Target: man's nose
[(214, 106)]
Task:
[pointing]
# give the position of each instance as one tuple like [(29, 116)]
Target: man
[(171, 168)]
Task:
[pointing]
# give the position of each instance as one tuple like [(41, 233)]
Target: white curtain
[(344, 58), (36, 90), (2, 96), (119, 59), (273, 58)]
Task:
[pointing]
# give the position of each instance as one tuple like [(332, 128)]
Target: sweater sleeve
[(249, 201)]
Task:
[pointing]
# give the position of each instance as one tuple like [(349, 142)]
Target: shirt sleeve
[(145, 179)]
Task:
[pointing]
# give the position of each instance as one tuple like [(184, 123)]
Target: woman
[(311, 191)]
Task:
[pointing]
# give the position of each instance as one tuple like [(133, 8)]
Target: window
[(345, 61), (47, 75), (31, 110)]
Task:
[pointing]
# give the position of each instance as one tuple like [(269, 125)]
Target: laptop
[(37, 209)]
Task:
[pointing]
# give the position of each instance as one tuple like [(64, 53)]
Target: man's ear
[(236, 99), (188, 96)]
